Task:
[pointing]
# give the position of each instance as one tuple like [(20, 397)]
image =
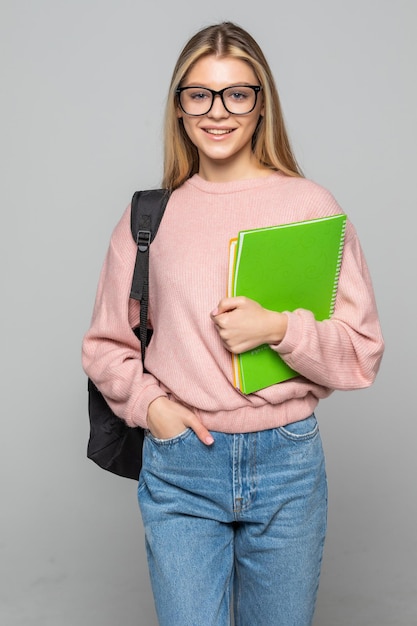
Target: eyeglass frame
[(179, 90)]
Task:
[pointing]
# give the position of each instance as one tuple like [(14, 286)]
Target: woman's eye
[(238, 95), (198, 95)]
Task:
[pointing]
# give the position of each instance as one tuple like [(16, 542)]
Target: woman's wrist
[(277, 327)]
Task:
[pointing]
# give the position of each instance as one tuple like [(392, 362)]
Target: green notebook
[(284, 268)]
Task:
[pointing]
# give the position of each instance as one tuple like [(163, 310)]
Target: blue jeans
[(244, 518)]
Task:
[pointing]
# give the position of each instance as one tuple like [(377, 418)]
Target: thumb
[(201, 431), (225, 305)]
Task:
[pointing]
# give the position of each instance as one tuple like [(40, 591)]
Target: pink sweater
[(188, 273)]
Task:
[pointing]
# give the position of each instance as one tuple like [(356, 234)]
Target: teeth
[(217, 131)]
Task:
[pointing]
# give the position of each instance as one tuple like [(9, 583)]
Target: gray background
[(83, 85)]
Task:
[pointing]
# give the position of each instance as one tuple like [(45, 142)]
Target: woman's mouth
[(218, 131)]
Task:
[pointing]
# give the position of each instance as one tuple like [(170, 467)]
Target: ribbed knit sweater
[(186, 359)]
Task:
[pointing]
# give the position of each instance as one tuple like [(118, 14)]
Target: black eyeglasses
[(237, 99)]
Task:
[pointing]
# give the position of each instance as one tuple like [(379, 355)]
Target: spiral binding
[(338, 265)]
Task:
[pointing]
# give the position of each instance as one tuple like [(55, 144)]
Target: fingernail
[(209, 440)]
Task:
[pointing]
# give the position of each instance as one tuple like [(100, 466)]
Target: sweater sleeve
[(111, 354), (345, 351)]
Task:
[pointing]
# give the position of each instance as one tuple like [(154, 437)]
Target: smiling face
[(223, 140)]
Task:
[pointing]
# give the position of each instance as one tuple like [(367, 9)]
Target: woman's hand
[(167, 419), (243, 324)]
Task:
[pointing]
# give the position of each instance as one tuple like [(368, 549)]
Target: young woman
[(233, 487)]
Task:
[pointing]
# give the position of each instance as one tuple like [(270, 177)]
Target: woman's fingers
[(167, 419)]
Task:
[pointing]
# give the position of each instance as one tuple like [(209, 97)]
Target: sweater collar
[(232, 186)]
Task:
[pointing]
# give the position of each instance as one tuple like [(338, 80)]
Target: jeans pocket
[(171, 440), (168, 462), (303, 430)]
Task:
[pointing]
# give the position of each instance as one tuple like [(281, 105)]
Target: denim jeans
[(243, 519)]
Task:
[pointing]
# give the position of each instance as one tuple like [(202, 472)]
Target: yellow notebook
[(284, 268)]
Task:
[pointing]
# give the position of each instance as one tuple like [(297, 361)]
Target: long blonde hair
[(270, 143)]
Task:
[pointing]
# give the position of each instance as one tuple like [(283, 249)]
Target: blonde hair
[(270, 143)]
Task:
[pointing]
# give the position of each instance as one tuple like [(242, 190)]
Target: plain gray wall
[(83, 85)]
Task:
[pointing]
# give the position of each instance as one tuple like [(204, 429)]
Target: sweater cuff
[(148, 395), (292, 336)]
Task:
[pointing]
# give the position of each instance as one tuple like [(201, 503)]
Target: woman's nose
[(218, 109)]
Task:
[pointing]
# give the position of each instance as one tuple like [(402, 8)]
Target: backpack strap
[(147, 209)]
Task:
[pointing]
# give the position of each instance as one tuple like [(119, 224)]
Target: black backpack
[(112, 444)]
